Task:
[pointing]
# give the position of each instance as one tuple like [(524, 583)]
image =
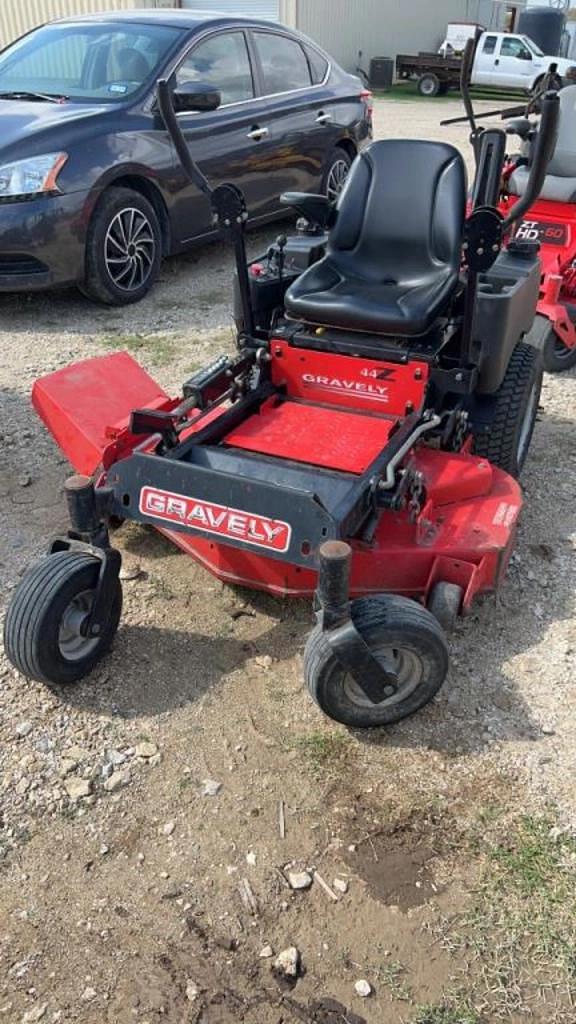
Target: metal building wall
[(384, 28), (18, 16)]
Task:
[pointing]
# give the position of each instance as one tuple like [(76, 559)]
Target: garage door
[(247, 8)]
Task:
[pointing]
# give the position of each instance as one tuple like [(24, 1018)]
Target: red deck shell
[(465, 533)]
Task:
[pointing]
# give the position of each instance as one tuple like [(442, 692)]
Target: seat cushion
[(324, 296), (393, 256), (556, 189)]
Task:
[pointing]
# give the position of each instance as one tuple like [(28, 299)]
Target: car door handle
[(496, 62), (323, 118), (256, 133)]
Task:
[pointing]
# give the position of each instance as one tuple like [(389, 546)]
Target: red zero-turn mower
[(361, 448), (550, 221)]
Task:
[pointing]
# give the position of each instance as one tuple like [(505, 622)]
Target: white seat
[(560, 183)]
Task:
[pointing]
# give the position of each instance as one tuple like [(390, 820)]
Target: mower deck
[(306, 463)]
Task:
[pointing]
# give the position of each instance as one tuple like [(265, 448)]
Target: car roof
[(168, 17)]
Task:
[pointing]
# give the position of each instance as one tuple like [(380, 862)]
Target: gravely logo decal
[(337, 385), (219, 519)]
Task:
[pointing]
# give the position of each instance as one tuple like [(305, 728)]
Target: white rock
[(88, 994), (168, 828), (288, 961), (340, 885), (75, 753), (130, 571), (22, 786), (363, 988), (210, 787), (116, 757), (251, 859), (266, 952), (23, 729), (264, 661), (117, 781), (299, 879), (146, 750), (36, 1013), (78, 788), (192, 991), (104, 849)]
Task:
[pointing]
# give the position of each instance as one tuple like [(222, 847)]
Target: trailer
[(434, 74)]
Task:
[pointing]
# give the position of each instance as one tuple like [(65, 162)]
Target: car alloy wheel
[(130, 249), (337, 179)]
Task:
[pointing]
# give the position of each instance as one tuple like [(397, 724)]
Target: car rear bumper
[(42, 242)]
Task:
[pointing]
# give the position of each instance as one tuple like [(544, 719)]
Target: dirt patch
[(396, 868)]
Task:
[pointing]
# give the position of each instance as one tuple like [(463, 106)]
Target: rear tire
[(402, 631), (506, 442), (42, 637), (123, 248), (429, 85)]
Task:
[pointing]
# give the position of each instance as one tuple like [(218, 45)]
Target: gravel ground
[(142, 870)]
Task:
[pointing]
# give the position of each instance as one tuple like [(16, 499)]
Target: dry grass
[(518, 936)]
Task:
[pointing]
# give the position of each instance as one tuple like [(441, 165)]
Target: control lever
[(544, 147)]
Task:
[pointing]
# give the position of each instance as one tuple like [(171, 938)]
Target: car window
[(489, 44), (515, 48), (223, 61), (92, 62), (318, 65), (284, 64)]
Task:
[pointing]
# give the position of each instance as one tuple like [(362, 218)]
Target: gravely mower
[(550, 221), (361, 448)]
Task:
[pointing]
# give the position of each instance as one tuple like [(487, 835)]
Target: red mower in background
[(361, 448), (550, 221)]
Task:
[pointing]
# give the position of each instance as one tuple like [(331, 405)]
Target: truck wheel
[(556, 356), (507, 440), (42, 629), (399, 631), (535, 106), (123, 248), (429, 84)]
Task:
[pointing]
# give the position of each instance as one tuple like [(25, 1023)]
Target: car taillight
[(367, 98)]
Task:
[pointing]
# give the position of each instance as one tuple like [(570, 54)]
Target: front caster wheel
[(445, 603), (400, 633), (556, 356), (42, 630)]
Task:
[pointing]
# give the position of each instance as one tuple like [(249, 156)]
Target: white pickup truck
[(503, 61)]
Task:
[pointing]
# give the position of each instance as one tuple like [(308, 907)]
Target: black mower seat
[(393, 256)]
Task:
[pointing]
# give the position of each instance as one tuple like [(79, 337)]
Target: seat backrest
[(402, 210), (563, 163)]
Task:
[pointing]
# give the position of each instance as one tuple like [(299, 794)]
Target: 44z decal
[(206, 516)]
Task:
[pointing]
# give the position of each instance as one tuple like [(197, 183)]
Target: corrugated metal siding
[(19, 16), (384, 28), (269, 9)]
